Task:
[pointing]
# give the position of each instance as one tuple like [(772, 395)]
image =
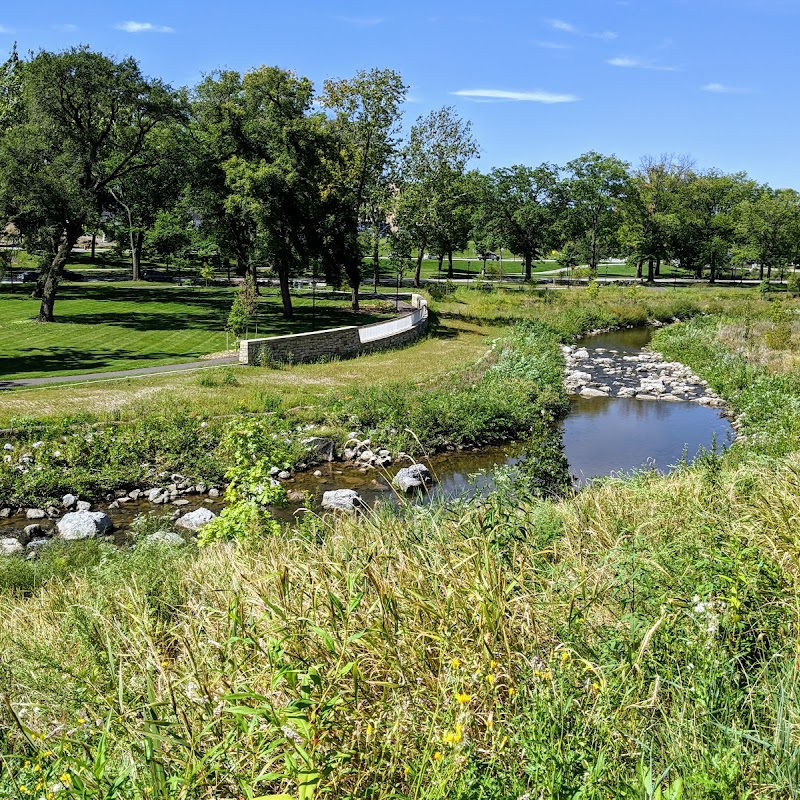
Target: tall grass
[(638, 640)]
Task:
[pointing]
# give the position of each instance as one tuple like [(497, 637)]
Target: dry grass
[(454, 345)]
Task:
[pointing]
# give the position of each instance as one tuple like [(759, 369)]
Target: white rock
[(412, 477), (168, 538), (11, 547), (196, 519), (84, 525), (69, 500), (587, 391), (35, 513), (342, 500), (83, 505)]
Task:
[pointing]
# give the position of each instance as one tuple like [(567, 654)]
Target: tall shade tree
[(596, 186), (220, 120), (702, 230), (84, 122), (525, 207), (768, 228), (141, 196), (649, 220), (434, 195), (10, 88), (281, 181), (366, 113)]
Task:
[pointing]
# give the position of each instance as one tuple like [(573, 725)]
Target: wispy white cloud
[(487, 95), (143, 27), (4, 29), (561, 25), (637, 63), (568, 27), (552, 45), (721, 88), (67, 27), (362, 22)]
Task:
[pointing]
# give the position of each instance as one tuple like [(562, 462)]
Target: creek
[(602, 435)]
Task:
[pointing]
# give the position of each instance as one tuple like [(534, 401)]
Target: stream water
[(602, 435)]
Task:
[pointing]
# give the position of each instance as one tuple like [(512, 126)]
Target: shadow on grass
[(61, 360)]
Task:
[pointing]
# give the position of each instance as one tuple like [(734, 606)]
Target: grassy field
[(102, 327), (638, 640)]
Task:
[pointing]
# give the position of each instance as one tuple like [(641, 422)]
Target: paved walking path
[(125, 373)]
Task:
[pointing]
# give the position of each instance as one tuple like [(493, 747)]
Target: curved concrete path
[(19, 383)]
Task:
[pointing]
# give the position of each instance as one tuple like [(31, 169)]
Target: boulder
[(5, 513), (322, 449), (154, 494), (196, 519), (84, 525), (412, 477), (296, 497), (83, 505), (11, 547), (69, 500), (342, 500), (284, 475), (213, 492), (35, 513), (587, 391)]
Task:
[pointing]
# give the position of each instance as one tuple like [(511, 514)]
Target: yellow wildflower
[(512, 691), (370, 729), (23, 789), (565, 655), (490, 721), (437, 756), (406, 770), (66, 779), (455, 663), (490, 678), (463, 698), (492, 664)]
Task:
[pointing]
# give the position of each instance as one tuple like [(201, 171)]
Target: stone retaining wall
[(337, 342)]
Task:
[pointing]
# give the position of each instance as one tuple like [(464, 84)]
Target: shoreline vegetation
[(636, 639)]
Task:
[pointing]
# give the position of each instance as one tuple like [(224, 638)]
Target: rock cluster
[(644, 376)]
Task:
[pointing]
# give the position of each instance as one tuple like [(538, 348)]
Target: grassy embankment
[(103, 327), (638, 638), (416, 399)]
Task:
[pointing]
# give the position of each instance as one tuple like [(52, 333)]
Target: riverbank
[(638, 636)]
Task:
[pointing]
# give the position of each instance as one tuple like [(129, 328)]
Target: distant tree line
[(258, 170)]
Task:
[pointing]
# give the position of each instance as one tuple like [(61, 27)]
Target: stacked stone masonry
[(333, 343)]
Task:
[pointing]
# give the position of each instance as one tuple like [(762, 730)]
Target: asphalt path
[(21, 383)]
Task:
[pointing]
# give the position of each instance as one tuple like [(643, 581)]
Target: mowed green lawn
[(102, 327)]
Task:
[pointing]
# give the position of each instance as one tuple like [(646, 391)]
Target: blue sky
[(540, 81)]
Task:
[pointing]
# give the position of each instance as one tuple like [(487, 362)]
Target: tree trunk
[(137, 240), (441, 259), (527, 266), (769, 272), (761, 271), (593, 253), (286, 296), (658, 267), (639, 268), (651, 270), (353, 272), (254, 278), (94, 246), (449, 263), (713, 277), (418, 270), (53, 276), (376, 259)]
